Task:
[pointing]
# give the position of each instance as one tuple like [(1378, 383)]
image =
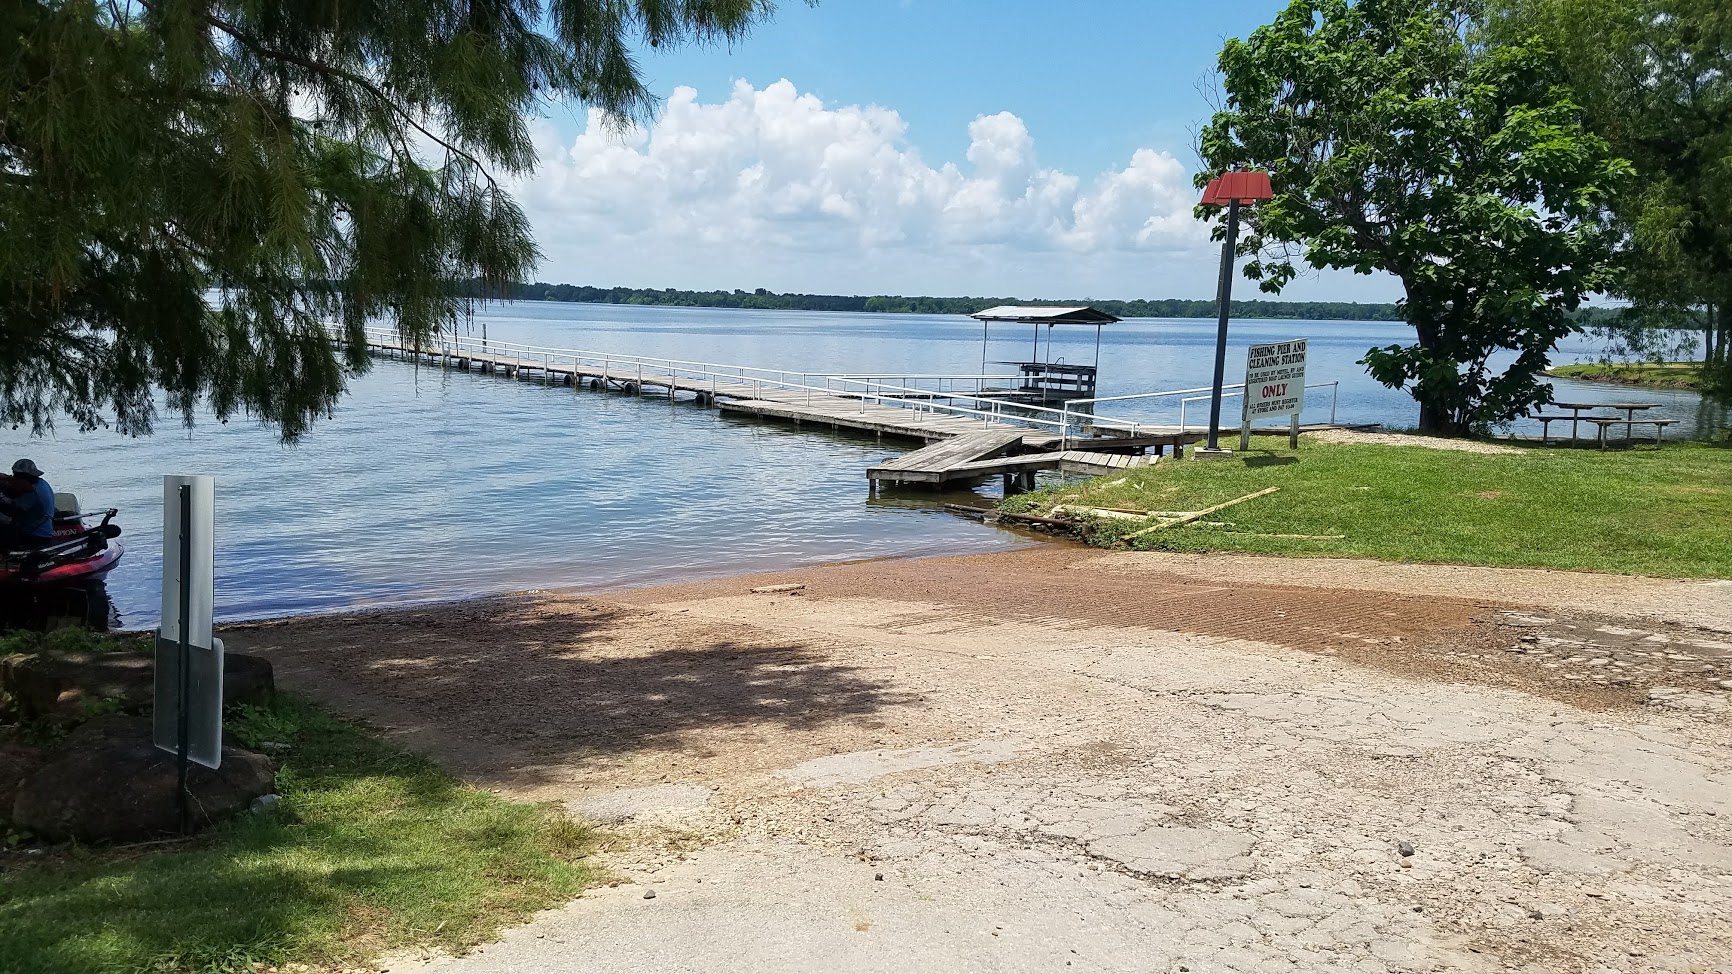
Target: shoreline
[(1663, 598), (1632, 377), (628, 591), (605, 590)]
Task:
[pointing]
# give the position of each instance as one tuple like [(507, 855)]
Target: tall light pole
[(1229, 189)]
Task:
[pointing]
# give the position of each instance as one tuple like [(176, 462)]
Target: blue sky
[(1092, 79), (1023, 148)]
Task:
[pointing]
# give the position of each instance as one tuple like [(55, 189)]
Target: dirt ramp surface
[(1040, 762), (542, 697), (1065, 585)]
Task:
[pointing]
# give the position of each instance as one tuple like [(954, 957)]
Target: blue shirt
[(32, 513)]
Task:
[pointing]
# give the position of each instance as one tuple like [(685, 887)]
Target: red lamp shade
[(1246, 187)]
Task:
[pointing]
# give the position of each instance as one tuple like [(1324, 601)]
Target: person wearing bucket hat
[(27, 507)]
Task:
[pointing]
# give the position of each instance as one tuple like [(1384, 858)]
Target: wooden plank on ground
[(1190, 516)]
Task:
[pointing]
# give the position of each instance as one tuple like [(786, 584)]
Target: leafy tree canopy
[(1655, 77), (191, 191), (1398, 142)]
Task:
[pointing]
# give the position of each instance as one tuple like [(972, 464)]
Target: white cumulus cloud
[(773, 188)]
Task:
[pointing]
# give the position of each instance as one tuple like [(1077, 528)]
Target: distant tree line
[(763, 300)]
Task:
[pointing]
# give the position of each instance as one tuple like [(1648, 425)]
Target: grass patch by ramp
[(1664, 512), (1658, 375), (371, 849)]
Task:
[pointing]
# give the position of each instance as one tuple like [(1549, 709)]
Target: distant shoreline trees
[(762, 300)]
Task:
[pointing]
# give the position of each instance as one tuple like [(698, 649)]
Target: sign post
[(187, 701), (1274, 386), (1230, 189)]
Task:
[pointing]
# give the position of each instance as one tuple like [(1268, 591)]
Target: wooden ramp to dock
[(1095, 463), (977, 455), (939, 462)]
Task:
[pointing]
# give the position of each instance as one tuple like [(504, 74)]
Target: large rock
[(109, 783), (62, 688), (17, 760), (247, 679)]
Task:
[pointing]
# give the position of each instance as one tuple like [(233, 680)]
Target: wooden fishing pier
[(972, 427)]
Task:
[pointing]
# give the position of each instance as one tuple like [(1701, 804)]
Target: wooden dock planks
[(867, 417), (1092, 462), (962, 459), (948, 459)]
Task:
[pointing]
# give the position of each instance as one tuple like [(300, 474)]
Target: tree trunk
[(1438, 415), (1717, 359), (1712, 350), (1440, 421), (1434, 419), (1722, 328)]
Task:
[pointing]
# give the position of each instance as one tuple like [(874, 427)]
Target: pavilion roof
[(1052, 315)]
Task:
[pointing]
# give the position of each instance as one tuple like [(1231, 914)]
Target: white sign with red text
[(1275, 380)]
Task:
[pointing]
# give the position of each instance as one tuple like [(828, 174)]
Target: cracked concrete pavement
[(899, 775)]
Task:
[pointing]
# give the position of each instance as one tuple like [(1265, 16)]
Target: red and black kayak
[(62, 581)]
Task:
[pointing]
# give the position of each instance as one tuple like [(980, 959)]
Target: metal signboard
[(1274, 386), (193, 563), (204, 702)]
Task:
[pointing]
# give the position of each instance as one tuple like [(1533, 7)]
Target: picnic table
[(1576, 418), (1607, 422)]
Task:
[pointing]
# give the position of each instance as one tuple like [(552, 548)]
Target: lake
[(429, 485)]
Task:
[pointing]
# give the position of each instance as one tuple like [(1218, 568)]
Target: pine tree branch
[(331, 71)]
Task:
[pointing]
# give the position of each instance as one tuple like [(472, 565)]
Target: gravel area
[(1368, 437)]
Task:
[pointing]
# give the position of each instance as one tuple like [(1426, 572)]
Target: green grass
[(1661, 512), (372, 848), (1669, 375)]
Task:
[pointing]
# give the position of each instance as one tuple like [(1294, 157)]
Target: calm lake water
[(428, 485)]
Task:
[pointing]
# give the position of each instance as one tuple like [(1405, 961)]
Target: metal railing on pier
[(1187, 396), (927, 394)]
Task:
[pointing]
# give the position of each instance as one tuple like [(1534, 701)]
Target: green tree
[(192, 190), (1399, 143), (1655, 77)]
